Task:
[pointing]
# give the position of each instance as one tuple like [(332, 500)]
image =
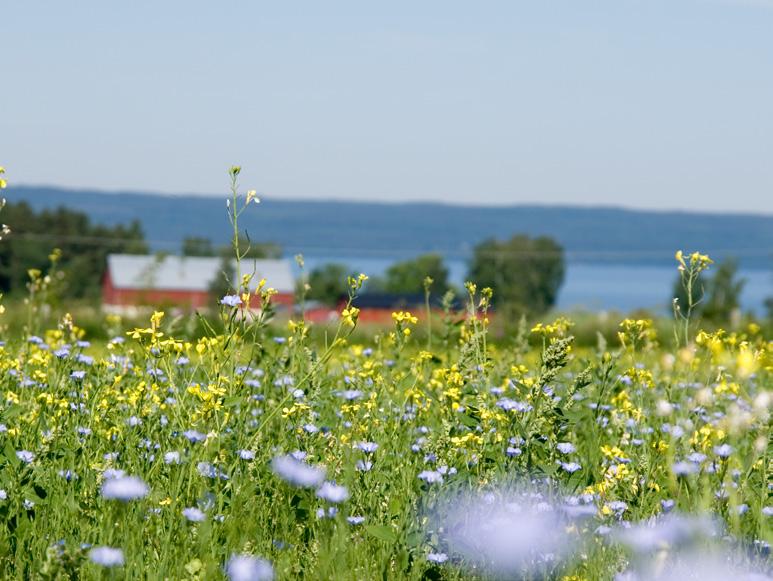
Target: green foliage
[(84, 247), (328, 283), (716, 298), (564, 421), (723, 300), (198, 246), (251, 249), (223, 284), (408, 276), (525, 273)]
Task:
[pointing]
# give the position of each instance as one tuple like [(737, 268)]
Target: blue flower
[(333, 492), (106, 556), (667, 504), (194, 514), (231, 300), (172, 457), (246, 454), (684, 468), (364, 465), (297, 473), (194, 436), (368, 447), (124, 488), (571, 467), (25, 456), (68, 475), (209, 471), (248, 568), (437, 558), (431, 476)]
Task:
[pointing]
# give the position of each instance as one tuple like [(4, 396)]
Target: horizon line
[(452, 204)]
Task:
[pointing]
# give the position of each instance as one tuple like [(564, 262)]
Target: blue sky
[(651, 104)]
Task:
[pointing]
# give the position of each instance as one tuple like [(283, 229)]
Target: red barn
[(133, 281)]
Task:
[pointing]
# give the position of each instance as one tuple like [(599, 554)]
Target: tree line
[(84, 248), (525, 273)]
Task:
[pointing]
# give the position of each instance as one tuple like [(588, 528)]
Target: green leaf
[(468, 421), (414, 539), (395, 506), (10, 454), (233, 401), (381, 532)]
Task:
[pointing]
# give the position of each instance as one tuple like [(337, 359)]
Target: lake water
[(596, 286)]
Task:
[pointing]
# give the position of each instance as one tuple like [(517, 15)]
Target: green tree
[(328, 283), (84, 248), (408, 276), (197, 246), (525, 273), (251, 249), (723, 299)]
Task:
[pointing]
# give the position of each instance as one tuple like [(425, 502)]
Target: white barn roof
[(192, 273)]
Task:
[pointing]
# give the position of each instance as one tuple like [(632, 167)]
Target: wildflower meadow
[(262, 447)]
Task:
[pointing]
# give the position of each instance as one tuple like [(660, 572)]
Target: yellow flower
[(746, 362), (404, 317), (356, 283), (350, 315)]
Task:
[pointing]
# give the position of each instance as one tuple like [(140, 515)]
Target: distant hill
[(395, 231)]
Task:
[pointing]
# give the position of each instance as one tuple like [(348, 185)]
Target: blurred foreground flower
[(700, 566), (669, 532), (509, 534), (124, 488), (248, 568), (106, 556), (298, 473)]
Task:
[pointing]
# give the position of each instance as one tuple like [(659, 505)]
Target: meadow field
[(260, 451), (246, 447)]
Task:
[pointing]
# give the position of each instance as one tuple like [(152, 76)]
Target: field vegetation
[(242, 447)]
